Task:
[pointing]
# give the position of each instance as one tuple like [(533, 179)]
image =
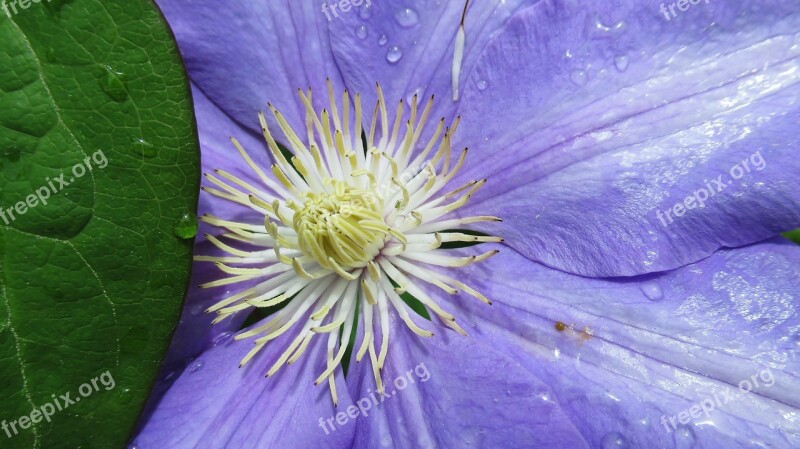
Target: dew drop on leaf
[(113, 84), (186, 228)]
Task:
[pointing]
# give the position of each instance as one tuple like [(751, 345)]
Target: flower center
[(354, 219), (344, 227)]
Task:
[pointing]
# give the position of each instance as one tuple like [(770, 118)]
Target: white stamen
[(458, 51), (343, 224)]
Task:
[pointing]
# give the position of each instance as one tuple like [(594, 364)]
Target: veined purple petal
[(408, 46), (215, 404), (454, 392), (625, 358), (215, 129), (243, 55), (593, 120)]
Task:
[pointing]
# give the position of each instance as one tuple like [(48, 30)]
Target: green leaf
[(793, 236), (92, 281)]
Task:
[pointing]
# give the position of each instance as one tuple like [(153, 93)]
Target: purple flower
[(641, 156)]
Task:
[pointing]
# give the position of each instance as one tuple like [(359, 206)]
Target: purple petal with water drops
[(617, 142), (215, 404), (245, 54), (408, 46), (656, 360), (454, 392)]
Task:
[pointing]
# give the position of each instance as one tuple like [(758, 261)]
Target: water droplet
[(383, 40), (394, 54), (51, 54), (613, 440), (578, 77), (599, 30), (11, 153), (652, 290), (418, 92), (406, 17), (144, 148), (366, 12), (113, 84), (223, 339), (684, 438), (195, 367), (186, 227), (482, 85), (196, 309), (621, 63), (361, 32)]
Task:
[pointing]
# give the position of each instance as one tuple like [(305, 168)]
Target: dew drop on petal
[(406, 17), (621, 63), (684, 438), (652, 290), (596, 29), (361, 32), (613, 440), (394, 54), (196, 309), (544, 396), (419, 92), (578, 77), (223, 339), (482, 85), (366, 12), (195, 367), (383, 40)]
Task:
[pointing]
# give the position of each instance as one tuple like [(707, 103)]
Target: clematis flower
[(635, 294)]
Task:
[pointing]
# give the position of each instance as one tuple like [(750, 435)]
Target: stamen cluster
[(348, 220)]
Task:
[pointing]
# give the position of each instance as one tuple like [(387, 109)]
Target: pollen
[(356, 214), (344, 227)]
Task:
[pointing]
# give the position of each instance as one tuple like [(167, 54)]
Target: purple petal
[(454, 392), (599, 117), (245, 54), (623, 357), (215, 129), (216, 404), (408, 46)]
